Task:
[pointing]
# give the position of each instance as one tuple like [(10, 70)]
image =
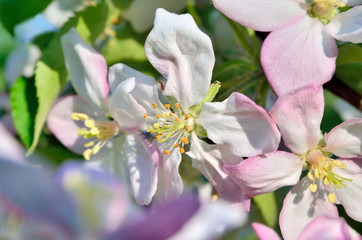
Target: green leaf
[(51, 74), (13, 12), (268, 208), (24, 104), (349, 66)]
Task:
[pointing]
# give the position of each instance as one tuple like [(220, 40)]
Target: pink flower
[(92, 122), (320, 228), (333, 162), (301, 48)]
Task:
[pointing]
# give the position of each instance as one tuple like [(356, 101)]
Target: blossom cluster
[(135, 133)]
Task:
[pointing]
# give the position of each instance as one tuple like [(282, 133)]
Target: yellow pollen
[(184, 140), (89, 123), (326, 181), (158, 115), (310, 176), (164, 115), (325, 9), (154, 105), (156, 125), (182, 150), (187, 117), (96, 149), (167, 106), (331, 198), (79, 116), (177, 119), (313, 187), (94, 131), (187, 128), (177, 105), (145, 115), (167, 152), (89, 144), (176, 145), (87, 153), (170, 114)]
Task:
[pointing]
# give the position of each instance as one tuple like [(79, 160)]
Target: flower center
[(171, 124), (321, 168), (325, 9), (99, 132)]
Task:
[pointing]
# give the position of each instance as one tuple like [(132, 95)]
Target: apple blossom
[(88, 123), (333, 162), (184, 56), (301, 48)]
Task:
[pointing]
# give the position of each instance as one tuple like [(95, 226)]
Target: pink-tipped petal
[(326, 228), (142, 163), (183, 55), (345, 140), (264, 232), (64, 127), (266, 173), (298, 55), (301, 206), (241, 124), (87, 69), (125, 109), (298, 116), (262, 15), (351, 195), (209, 160), (347, 26), (170, 185)]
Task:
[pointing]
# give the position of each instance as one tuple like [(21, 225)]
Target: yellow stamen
[(177, 105), (177, 119), (156, 125), (331, 197), (164, 115), (96, 149), (89, 144), (89, 123), (187, 117), (145, 115), (158, 115), (184, 140), (326, 181), (170, 114), (167, 152), (154, 105), (87, 154), (94, 131), (313, 187), (182, 150), (310, 176), (176, 145), (187, 128), (167, 106)]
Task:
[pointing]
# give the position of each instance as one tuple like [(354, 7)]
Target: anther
[(187, 117), (167, 106), (167, 152), (96, 149), (313, 187), (87, 153), (170, 114), (156, 125), (158, 115), (89, 144), (176, 145), (331, 197), (177, 119), (326, 181), (182, 150), (89, 123), (154, 105), (310, 176), (177, 105), (187, 128), (94, 131), (184, 140), (145, 115)]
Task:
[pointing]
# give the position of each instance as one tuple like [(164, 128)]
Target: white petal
[(183, 55), (170, 183), (266, 173), (241, 124), (125, 109), (345, 140), (211, 221), (142, 163), (209, 160), (350, 196), (87, 69), (301, 206), (347, 26), (262, 15), (298, 116), (298, 55)]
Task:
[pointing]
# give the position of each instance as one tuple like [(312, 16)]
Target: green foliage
[(268, 208), (349, 66), (13, 12), (24, 104), (51, 74)]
